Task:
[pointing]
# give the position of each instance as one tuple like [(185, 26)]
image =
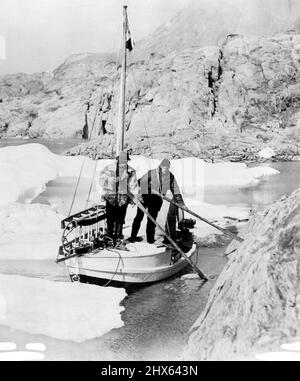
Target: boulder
[(255, 304)]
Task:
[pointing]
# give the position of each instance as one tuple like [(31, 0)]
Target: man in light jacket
[(117, 181)]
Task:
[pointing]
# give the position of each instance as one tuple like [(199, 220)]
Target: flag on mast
[(129, 40)]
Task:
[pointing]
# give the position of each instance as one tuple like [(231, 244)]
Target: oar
[(197, 270), (233, 236)]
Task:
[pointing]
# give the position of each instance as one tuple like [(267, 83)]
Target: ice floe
[(32, 231), (29, 231), (65, 311), (26, 169)]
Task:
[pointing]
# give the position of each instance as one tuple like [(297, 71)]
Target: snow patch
[(266, 153)]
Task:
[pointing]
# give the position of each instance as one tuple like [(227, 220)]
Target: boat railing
[(82, 232)]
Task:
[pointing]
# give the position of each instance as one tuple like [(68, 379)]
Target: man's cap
[(165, 163)]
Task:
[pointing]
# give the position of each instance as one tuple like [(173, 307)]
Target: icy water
[(268, 191), (55, 145), (156, 318)]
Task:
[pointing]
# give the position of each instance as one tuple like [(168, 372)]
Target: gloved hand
[(180, 214)]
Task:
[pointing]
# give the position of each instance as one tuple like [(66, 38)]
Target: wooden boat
[(142, 263), (87, 254)]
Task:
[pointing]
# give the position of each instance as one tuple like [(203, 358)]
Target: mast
[(121, 119)]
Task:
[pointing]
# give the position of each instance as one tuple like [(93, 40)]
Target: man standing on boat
[(116, 181), (155, 184)]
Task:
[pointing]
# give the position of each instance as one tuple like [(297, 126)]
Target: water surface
[(269, 190)]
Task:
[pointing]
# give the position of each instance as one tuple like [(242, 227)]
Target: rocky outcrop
[(255, 304), (228, 100), (53, 105), (215, 103), (204, 23)]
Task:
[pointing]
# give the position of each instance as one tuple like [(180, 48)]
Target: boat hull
[(138, 265)]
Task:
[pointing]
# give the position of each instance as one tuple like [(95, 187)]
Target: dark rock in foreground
[(255, 304)]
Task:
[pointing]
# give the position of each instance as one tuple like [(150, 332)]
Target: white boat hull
[(143, 263)]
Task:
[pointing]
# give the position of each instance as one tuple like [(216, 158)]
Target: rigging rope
[(84, 160), (92, 182), (90, 135), (144, 120), (76, 188), (109, 111)]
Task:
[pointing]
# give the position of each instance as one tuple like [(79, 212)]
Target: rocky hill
[(209, 92), (255, 304), (206, 23)]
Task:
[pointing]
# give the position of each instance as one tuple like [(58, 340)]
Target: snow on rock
[(266, 153), (64, 311), (29, 231)]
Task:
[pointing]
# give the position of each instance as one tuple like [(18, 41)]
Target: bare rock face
[(206, 23), (227, 102), (192, 91), (53, 105), (255, 304)]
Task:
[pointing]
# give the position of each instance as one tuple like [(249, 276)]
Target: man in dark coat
[(159, 180)]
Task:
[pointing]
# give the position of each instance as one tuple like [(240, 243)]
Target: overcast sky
[(37, 35)]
